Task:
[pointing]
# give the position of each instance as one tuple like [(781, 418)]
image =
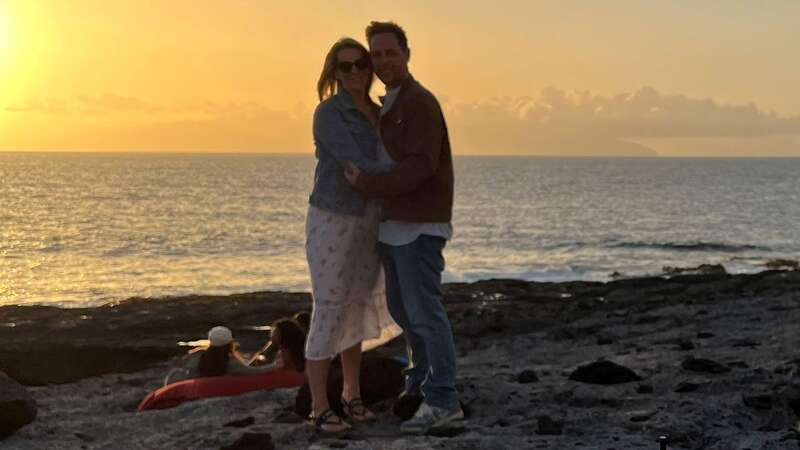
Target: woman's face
[(353, 70)]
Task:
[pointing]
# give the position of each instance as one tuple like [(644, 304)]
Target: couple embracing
[(378, 220)]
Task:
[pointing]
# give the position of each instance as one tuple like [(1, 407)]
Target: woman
[(341, 236), (222, 356)]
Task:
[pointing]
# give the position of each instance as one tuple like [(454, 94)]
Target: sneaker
[(432, 419)]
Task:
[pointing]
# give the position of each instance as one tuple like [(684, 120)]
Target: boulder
[(17, 407), (604, 372)]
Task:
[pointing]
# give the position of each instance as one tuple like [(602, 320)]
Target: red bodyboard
[(174, 394)]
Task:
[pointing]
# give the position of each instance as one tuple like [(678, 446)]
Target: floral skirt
[(347, 283)]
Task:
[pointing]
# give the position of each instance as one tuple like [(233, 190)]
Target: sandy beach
[(712, 362)]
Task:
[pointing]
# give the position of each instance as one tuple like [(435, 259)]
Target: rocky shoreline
[(709, 359)]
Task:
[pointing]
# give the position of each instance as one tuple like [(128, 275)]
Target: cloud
[(114, 103), (242, 127), (554, 122), (49, 106), (579, 123)]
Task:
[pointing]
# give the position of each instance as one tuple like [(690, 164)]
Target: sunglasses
[(347, 66)]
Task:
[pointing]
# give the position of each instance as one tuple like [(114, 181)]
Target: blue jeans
[(414, 295)]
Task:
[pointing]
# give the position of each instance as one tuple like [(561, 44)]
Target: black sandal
[(329, 417), (356, 410)]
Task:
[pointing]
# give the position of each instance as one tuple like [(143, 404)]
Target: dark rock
[(686, 345), (447, 432), (252, 441), (758, 401), (604, 340), (704, 365), (777, 264), (604, 372), (527, 376), (241, 423), (17, 407), (705, 335), (687, 386), (547, 426), (794, 404), (739, 365), (84, 437), (642, 416), (744, 343), (381, 379), (702, 269), (645, 389)]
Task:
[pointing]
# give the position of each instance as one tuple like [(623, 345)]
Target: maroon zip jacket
[(420, 187)]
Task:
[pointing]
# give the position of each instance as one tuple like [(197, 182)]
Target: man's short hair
[(388, 27)]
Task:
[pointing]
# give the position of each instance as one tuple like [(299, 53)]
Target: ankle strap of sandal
[(325, 418)]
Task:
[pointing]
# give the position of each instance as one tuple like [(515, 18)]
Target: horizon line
[(311, 153)]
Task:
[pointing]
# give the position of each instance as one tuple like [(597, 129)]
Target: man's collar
[(409, 80)]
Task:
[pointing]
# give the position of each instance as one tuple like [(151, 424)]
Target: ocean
[(82, 229)]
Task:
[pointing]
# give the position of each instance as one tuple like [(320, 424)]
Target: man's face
[(388, 59)]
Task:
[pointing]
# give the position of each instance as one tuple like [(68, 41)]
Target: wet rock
[(704, 365), (252, 441), (545, 425), (778, 264), (527, 376), (604, 372), (17, 407), (127, 336), (702, 269)]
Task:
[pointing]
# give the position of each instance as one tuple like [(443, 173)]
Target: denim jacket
[(342, 134)]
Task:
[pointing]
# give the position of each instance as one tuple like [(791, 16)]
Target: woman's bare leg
[(351, 371)]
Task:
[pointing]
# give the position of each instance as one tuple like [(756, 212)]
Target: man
[(417, 203)]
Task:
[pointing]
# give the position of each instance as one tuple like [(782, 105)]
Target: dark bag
[(381, 379)]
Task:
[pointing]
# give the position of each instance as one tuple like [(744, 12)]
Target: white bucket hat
[(219, 336)]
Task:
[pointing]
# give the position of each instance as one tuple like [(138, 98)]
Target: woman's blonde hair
[(328, 85)]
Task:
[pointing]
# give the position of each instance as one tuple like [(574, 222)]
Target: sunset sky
[(678, 78)]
